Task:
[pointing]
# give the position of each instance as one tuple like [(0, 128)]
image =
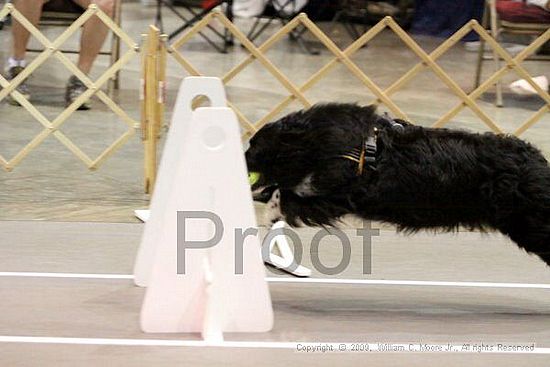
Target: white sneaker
[(540, 3), (522, 88), (512, 48)]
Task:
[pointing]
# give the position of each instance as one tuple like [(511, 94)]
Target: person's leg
[(31, 9), (94, 33)]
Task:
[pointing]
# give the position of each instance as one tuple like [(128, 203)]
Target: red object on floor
[(520, 12), (209, 4)]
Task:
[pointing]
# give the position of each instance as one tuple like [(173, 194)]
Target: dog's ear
[(372, 108)]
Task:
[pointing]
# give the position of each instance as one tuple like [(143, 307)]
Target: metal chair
[(271, 15), (498, 26), (197, 15), (357, 16), (296, 35), (62, 13)]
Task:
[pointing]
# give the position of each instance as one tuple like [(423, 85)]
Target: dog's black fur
[(424, 178)]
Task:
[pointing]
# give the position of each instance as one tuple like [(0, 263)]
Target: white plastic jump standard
[(207, 174), (190, 88)]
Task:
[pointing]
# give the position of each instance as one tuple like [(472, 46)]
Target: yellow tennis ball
[(253, 177)]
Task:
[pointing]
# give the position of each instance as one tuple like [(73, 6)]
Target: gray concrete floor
[(51, 185), (107, 308)]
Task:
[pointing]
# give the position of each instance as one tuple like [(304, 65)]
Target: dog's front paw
[(273, 212)]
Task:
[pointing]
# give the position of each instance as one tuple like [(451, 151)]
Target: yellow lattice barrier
[(344, 57), (152, 100), (156, 50), (52, 49)]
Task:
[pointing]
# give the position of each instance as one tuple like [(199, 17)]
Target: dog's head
[(301, 152), (261, 156)]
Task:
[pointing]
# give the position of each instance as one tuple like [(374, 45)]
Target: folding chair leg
[(158, 16), (355, 33), (496, 57), (252, 29), (296, 35), (117, 53), (335, 20), (114, 82), (228, 36), (479, 66), (254, 32), (113, 85), (481, 50), (298, 38)]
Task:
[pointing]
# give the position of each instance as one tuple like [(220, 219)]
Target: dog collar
[(367, 153)]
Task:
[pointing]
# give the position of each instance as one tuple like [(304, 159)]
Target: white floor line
[(408, 283), (143, 342), (303, 280), (30, 274), (200, 343)]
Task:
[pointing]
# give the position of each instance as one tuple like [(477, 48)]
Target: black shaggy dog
[(319, 164)]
